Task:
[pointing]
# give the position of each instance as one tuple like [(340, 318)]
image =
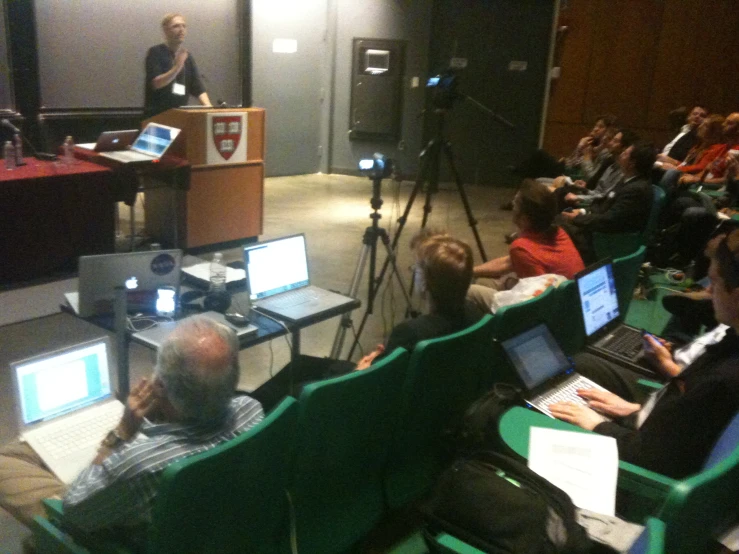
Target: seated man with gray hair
[(187, 407)]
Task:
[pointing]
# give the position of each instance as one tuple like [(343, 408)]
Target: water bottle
[(68, 151), (9, 155), (18, 143), (217, 273)]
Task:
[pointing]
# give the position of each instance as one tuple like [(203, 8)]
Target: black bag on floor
[(479, 427), (499, 505)]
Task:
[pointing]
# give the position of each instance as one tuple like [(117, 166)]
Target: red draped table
[(50, 214)]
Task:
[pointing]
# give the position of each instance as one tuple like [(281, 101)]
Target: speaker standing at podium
[(171, 73)]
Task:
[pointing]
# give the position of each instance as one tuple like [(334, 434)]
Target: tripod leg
[(465, 201), (393, 261), (346, 319)]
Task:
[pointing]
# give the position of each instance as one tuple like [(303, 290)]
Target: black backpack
[(499, 505)]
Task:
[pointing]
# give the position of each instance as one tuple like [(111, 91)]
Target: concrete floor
[(333, 211)]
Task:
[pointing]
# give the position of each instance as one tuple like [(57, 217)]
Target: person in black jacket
[(673, 431), (624, 209)]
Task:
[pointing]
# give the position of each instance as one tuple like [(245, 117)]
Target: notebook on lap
[(110, 141), (544, 370), (605, 333), (140, 272), (65, 404), (278, 280), (150, 145)]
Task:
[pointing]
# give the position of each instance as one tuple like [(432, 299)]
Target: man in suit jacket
[(624, 209)]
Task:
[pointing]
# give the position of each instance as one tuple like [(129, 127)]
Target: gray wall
[(6, 92), (91, 52), (408, 20)]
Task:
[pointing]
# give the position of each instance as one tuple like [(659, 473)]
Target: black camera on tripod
[(377, 167), (444, 89)]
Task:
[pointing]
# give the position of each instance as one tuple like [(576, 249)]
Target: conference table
[(51, 214)]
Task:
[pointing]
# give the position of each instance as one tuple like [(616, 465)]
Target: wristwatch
[(113, 439)]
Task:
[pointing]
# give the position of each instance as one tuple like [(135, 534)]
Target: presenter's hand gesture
[(608, 403), (180, 57)]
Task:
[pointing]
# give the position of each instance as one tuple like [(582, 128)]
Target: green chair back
[(512, 320), (616, 245), (652, 540), (445, 375), (344, 431), (231, 498), (626, 275)]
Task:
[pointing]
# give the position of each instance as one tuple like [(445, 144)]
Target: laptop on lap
[(278, 280), (544, 370), (150, 145), (605, 333), (65, 404)]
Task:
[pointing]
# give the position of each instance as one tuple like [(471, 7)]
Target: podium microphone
[(221, 103), (8, 125), (38, 155)]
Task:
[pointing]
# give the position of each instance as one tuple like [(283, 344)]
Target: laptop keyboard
[(79, 431), (625, 342), (293, 298), (566, 392)]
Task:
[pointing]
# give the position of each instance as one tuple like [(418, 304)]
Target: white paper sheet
[(584, 465)]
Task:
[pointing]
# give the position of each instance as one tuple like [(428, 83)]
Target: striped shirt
[(121, 491)]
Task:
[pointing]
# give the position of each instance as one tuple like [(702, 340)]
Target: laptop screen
[(62, 381), (598, 297), (536, 356), (276, 266), (155, 139)]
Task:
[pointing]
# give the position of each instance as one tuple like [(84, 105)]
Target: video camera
[(377, 167), (444, 89)]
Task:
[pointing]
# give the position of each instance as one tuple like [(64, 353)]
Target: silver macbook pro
[(278, 280), (150, 145), (110, 141), (65, 404)]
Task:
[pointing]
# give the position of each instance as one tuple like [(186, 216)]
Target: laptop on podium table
[(150, 145), (65, 404), (110, 141), (278, 280)]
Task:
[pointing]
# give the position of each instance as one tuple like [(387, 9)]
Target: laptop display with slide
[(65, 404), (110, 141), (544, 370), (605, 333), (150, 145), (278, 280), (142, 273)]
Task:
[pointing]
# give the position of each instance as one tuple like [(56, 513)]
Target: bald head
[(731, 127), (198, 366)]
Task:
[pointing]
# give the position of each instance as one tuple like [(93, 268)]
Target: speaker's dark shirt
[(160, 59)]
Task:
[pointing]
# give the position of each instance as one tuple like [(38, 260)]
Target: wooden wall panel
[(640, 59)]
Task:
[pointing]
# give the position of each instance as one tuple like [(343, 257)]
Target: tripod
[(369, 249)]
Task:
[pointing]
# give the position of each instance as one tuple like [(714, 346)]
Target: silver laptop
[(155, 336), (110, 141), (140, 272), (605, 333), (544, 370), (278, 280), (150, 145), (65, 404)]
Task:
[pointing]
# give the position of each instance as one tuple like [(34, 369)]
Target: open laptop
[(544, 370), (110, 141), (154, 336), (142, 273), (605, 333), (150, 145), (278, 280), (65, 404)]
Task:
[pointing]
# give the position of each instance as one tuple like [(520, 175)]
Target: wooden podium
[(225, 148)]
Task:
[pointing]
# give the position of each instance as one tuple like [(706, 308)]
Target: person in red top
[(541, 246)]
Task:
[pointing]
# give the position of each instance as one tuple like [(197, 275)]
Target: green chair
[(693, 509), (343, 439), (445, 375), (617, 245), (626, 274), (231, 498), (511, 320), (652, 539)]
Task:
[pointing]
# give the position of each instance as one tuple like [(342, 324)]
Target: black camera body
[(443, 89), (377, 167)]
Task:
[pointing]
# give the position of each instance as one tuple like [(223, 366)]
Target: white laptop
[(140, 272), (150, 145), (544, 370), (110, 141), (65, 404), (278, 280), (154, 336)]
